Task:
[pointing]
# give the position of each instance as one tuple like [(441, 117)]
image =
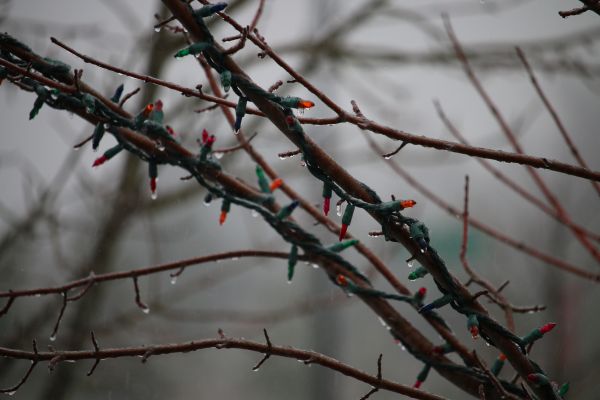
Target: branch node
[(8, 304), (138, 299), (267, 353), (375, 389), (54, 361), (60, 316), (148, 354)]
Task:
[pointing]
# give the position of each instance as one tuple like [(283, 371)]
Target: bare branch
[(554, 115), (223, 343), (552, 199)]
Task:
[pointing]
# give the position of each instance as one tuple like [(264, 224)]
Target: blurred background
[(60, 219)]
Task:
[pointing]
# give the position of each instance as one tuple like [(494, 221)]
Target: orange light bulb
[(407, 203), (222, 217), (305, 104), (341, 280), (148, 109), (276, 184)]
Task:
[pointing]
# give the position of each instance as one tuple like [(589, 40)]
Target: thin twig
[(223, 343), (275, 86), (138, 297), (257, 15), (420, 140), (488, 230), (96, 351), (510, 321), (83, 142), (60, 315), (231, 149), (552, 199), (375, 389), (288, 154), (8, 304), (111, 276), (554, 115), (574, 11), (387, 156), (520, 190), (204, 109), (267, 354), (128, 96), (12, 390)]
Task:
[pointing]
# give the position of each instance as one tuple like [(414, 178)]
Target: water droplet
[(173, 280), (234, 258), (387, 157), (338, 210), (89, 110), (53, 337), (160, 146), (423, 251), (11, 393), (255, 369), (254, 213), (157, 29), (410, 263), (303, 163), (146, 310), (289, 282), (153, 195), (315, 266), (402, 347), (218, 155), (382, 322), (106, 125)]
